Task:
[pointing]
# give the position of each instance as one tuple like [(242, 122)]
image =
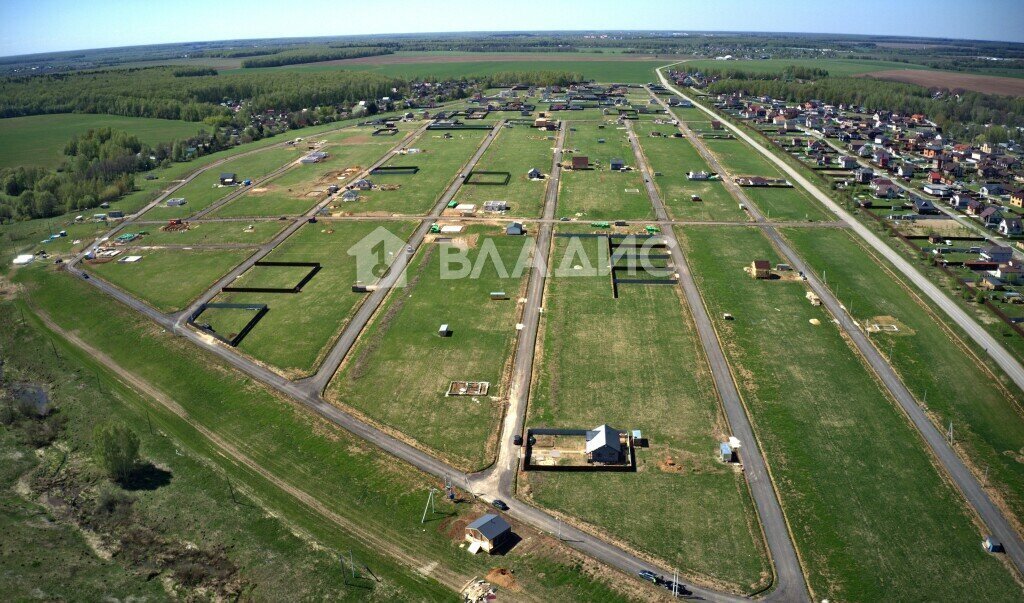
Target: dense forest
[(156, 92), (313, 55)]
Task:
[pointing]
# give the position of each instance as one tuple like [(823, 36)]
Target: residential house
[(884, 188), (939, 190), (847, 163), (906, 170), (761, 269), (603, 445), (959, 201), (863, 175), (924, 206), (1008, 273), (1017, 198), (487, 533), (991, 216), (992, 189), (999, 254), (1009, 227)]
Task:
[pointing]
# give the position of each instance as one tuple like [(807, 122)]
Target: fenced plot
[(310, 269), (396, 170), (227, 328), (488, 178)]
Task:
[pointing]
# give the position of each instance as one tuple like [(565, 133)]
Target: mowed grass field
[(299, 327), (439, 161), (302, 187), (204, 233), (635, 363), (168, 279), (599, 193), (673, 158), (340, 472), (933, 363), (516, 150), (400, 370), (40, 139), (872, 518), (205, 189)]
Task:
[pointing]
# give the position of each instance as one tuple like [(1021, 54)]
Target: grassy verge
[(635, 363), (871, 515)]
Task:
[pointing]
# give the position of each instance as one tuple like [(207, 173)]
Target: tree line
[(314, 55)]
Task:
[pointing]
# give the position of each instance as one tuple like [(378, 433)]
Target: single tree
[(117, 450)]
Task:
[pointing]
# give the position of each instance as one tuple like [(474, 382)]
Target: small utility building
[(228, 178), (487, 533), (617, 164), (580, 162), (761, 269)]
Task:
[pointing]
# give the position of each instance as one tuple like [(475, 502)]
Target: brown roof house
[(760, 269)]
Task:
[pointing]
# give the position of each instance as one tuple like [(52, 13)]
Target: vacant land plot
[(673, 158), (987, 84), (300, 188), (309, 320), (599, 193), (439, 160), (786, 203), (168, 279), (635, 363), (850, 470), (40, 139), (740, 159), (933, 364), (204, 233), (517, 150), (205, 189), (401, 369)]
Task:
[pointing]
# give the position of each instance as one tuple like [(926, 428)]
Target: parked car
[(648, 575), (517, 440), (499, 504)]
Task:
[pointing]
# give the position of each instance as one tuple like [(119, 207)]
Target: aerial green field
[(439, 160), (401, 369), (205, 189), (308, 320), (168, 279), (371, 491), (851, 471), (673, 158), (986, 415), (786, 203), (302, 187), (40, 139), (516, 150), (439, 65), (194, 507), (607, 360), (200, 233), (835, 67), (599, 193)]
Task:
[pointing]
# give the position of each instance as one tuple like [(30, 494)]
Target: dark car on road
[(517, 440), (499, 504)]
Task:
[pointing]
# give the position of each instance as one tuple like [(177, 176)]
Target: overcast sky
[(30, 26)]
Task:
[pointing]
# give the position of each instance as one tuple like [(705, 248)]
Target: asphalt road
[(789, 578), (965, 481)]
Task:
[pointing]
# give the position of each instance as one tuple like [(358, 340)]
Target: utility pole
[(429, 505), (675, 582)]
